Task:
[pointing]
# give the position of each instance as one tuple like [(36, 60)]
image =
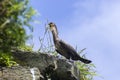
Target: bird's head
[(53, 27)]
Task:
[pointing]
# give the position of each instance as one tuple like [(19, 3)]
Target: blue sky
[(91, 24)]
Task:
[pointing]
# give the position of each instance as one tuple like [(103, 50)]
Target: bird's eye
[(50, 26)]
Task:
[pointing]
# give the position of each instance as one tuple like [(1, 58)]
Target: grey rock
[(18, 73), (44, 66)]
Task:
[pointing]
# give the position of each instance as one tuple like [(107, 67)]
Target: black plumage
[(63, 48)]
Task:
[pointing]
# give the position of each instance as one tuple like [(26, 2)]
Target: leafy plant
[(6, 59), (26, 48), (15, 17), (87, 71)]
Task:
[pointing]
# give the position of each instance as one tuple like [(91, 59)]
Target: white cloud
[(104, 24)]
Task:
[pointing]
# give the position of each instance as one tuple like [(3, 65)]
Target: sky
[(91, 24)]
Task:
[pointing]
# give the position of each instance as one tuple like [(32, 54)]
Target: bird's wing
[(72, 52), (67, 47)]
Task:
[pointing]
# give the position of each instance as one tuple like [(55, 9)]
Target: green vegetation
[(87, 71), (15, 16)]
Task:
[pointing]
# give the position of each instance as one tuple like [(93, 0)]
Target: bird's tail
[(85, 60)]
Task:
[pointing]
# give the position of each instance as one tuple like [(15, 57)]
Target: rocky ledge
[(39, 66)]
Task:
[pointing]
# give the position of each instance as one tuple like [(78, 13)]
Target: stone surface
[(45, 66), (18, 73)]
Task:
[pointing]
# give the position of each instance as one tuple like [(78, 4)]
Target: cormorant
[(63, 48)]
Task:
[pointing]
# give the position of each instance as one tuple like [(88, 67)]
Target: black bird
[(63, 48)]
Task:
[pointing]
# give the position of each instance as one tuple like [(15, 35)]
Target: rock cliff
[(39, 66)]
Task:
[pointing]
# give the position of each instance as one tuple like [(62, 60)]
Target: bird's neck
[(55, 36)]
